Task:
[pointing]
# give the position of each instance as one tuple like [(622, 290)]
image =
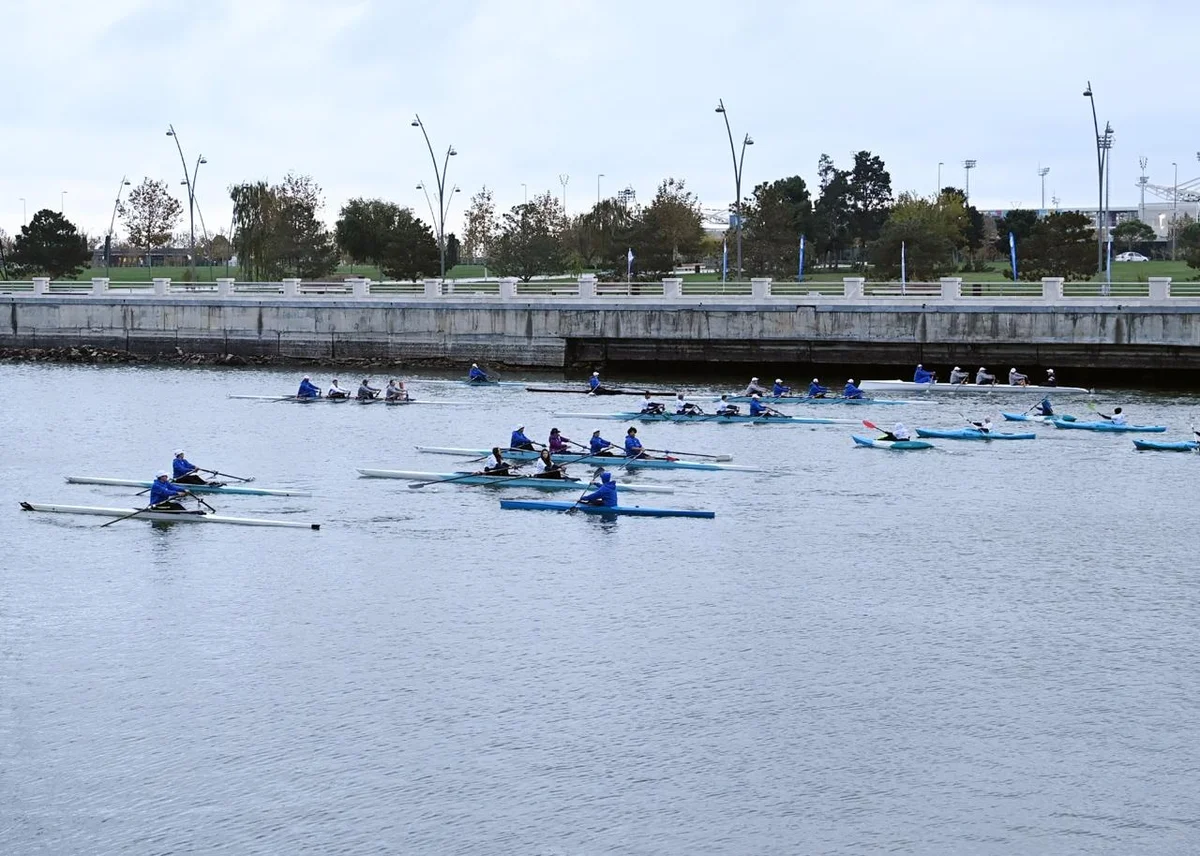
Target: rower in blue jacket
[(815, 390), (594, 381), (605, 494), (477, 375), (779, 389), (1044, 408), (851, 391), (923, 376), (519, 440), (184, 471), (757, 408), (308, 389), (633, 446), (163, 493), (599, 446)]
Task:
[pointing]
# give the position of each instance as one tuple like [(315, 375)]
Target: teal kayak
[(896, 445), (1108, 427), (1029, 417), (971, 434), (628, 510), (1151, 446)]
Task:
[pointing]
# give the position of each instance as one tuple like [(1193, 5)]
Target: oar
[(575, 504), (226, 475), (126, 517), (199, 500), (693, 454), (498, 478)]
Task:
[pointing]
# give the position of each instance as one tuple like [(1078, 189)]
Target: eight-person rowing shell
[(308, 389)]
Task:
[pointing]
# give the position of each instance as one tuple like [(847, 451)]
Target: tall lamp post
[(968, 165), (443, 202), (1175, 211), (737, 178), (1043, 171), (1101, 155), (112, 222), (190, 182), (62, 196), (938, 195), (1142, 182), (601, 175)]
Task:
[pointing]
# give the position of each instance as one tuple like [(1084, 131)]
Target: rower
[(163, 493), (599, 446), (762, 411), (985, 425), (815, 390), (724, 408), (683, 407), (1050, 380), (923, 376), (753, 388), (959, 376), (779, 389), (336, 391), (496, 465), (545, 468), (594, 382), (558, 444), (650, 407), (1117, 418), (605, 494), (1015, 378), (476, 374), (366, 391), (898, 433), (982, 377), (395, 391), (308, 389), (851, 391), (1044, 407), (519, 441), (633, 446), (184, 471)]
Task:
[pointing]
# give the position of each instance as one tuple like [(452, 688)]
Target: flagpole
[(800, 272), (903, 271), (724, 260)]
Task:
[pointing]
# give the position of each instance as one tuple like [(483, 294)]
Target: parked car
[(1130, 257)]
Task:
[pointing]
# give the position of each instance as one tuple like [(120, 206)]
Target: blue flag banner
[(629, 265), (800, 273), (903, 267), (724, 259), (1012, 253), (1108, 265)]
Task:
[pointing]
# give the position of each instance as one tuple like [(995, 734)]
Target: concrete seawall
[(557, 333)]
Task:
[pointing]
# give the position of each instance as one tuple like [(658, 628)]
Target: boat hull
[(235, 490), (622, 510), (164, 516), (576, 485), (613, 461), (633, 416), (967, 388), (1109, 428), (1029, 417), (970, 434), (291, 399), (1152, 446), (894, 445), (803, 399), (604, 390)]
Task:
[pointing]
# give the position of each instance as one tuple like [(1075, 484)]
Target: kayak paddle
[(575, 504)]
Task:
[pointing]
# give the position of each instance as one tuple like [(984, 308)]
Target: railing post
[(587, 285), (41, 285), (162, 284), (360, 287), (760, 287), (291, 288), (433, 288), (224, 287), (672, 288), (1052, 288), (951, 287), (853, 286), (1160, 287), (99, 285), (508, 288)]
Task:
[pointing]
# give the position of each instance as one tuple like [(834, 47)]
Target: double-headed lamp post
[(737, 178), (112, 222), (443, 201), (1101, 155), (1175, 210), (1043, 171), (421, 186), (190, 182)]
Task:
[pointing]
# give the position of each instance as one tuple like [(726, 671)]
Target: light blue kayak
[(628, 510), (971, 434), (1109, 428), (1180, 446), (895, 445), (1030, 417)]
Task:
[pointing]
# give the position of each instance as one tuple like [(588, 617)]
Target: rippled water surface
[(974, 650)]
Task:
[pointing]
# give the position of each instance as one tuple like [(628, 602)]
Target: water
[(977, 650)]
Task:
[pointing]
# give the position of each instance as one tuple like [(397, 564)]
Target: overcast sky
[(527, 90)]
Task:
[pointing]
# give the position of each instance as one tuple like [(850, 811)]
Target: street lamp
[(563, 178), (190, 181), (525, 189), (1101, 154), (968, 165), (601, 175), (111, 222), (61, 197), (939, 187), (1043, 171), (737, 178), (1175, 212), (443, 203), (1142, 182)]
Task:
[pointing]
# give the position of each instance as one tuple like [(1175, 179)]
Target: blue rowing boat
[(634, 416), (895, 445), (614, 462), (1109, 428), (1152, 446), (627, 510), (774, 401), (970, 434)]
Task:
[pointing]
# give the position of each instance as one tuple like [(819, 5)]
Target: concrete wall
[(552, 334)]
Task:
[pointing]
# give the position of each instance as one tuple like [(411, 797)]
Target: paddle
[(575, 504), (226, 475), (693, 454)]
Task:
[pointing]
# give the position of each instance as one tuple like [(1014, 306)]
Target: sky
[(531, 90)]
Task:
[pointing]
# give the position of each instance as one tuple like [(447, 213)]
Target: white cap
[(520, 428), (778, 380), (850, 381), (1049, 371), (755, 395), (306, 377), (920, 366), (178, 452), (753, 380), (1012, 370), (595, 374), (982, 369), (474, 365), (815, 380), (163, 474), (957, 369)]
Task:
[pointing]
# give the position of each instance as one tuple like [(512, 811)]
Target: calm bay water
[(976, 650)]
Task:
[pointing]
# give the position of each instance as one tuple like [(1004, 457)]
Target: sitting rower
[(558, 444), (496, 465), (163, 493), (599, 447), (633, 446), (1050, 380), (184, 471), (594, 382), (683, 407), (724, 408), (477, 375), (982, 377), (366, 391), (1117, 418), (1015, 378), (898, 433), (958, 376), (923, 376), (779, 389), (336, 391), (518, 440), (753, 388), (605, 494), (984, 425), (395, 391), (545, 468), (1044, 408), (757, 408), (851, 391), (815, 390), (650, 407), (308, 389)]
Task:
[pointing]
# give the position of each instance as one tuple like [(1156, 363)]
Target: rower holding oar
[(851, 391), (753, 388), (683, 407), (958, 376), (594, 382), (605, 494), (599, 447), (633, 446), (477, 375), (545, 468), (519, 441), (163, 494), (899, 433), (308, 389), (1015, 378), (815, 390), (336, 391), (760, 410), (779, 390), (558, 444), (366, 392), (185, 472), (496, 465), (984, 378), (923, 375), (650, 407), (1044, 407), (724, 408), (395, 391), (1117, 418), (984, 425)]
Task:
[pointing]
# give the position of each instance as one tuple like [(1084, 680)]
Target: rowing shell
[(165, 516), (475, 383), (964, 388), (194, 488), (804, 399), (613, 461), (603, 390), (629, 416), (629, 510), (506, 481), (326, 400)]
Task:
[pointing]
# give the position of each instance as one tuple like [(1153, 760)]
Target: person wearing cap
[(898, 433), (762, 411), (365, 391), (604, 495), (753, 388), (336, 391), (184, 471), (851, 391), (923, 376), (1015, 378), (982, 377), (599, 446), (633, 446), (163, 493), (779, 390), (959, 376), (724, 408), (496, 465), (815, 390), (683, 407), (308, 389), (477, 375), (650, 407), (594, 381), (1051, 380), (518, 440), (395, 391), (558, 445)]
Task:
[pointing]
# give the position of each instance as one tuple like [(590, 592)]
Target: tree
[(479, 226), (277, 230), (1019, 221), (453, 251), (775, 218), (1132, 232), (411, 251), (6, 248), (1060, 244), (831, 214), (929, 232), (664, 233), (530, 239), (49, 244), (1188, 243), (149, 213), (364, 228), (869, 193), (253, 213), (590, 238)]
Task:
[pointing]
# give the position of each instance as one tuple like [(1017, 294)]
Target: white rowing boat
[(325, 400), (236, 489), (969, 388), (469, 478), (164, 516)]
